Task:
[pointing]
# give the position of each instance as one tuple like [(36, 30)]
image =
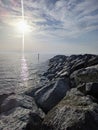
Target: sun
[(22, 26)]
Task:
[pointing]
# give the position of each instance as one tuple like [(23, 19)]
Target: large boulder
[(3, 97), (90, 88), (34, 122), (9, 103), (74, 112), (85, 75), (48, 96)]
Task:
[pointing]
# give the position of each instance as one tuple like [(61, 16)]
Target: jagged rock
[(50, 76), (85, 75), (15, 110), (48, 96), (62, 66), (4, 95), (74, 112), (34, 122), (58, 58), (15, 119), (90, 88), (23, 101), (9, 103)]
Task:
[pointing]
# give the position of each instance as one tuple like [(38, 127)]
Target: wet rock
[(74, 112), (49, 96)]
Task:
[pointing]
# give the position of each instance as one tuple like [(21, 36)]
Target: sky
[(55, 26)]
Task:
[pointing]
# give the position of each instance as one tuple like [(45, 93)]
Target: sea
[(18, 72)]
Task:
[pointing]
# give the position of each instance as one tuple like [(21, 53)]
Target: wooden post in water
[(38, 57)]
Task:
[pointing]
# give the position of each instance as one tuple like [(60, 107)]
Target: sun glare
[(22, 26)]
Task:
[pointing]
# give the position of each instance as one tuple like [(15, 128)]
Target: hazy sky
[(56, 26)]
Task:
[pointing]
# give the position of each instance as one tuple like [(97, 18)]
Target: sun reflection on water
[(24, 71)]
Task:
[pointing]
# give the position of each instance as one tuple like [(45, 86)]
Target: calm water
[(18, 72)]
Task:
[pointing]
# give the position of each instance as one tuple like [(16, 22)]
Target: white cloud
[(63, 19)]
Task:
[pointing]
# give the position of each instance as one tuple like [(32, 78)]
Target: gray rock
[(16, 119), (74, 112), (9, 104), (90, 88), (50, 76), (89, 74), (58, 58), (4, 95), (50, 95)]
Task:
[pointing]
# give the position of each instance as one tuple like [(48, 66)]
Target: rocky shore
[(67, 94), (65, 98)]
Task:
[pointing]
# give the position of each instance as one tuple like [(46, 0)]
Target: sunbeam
[(22, 9)]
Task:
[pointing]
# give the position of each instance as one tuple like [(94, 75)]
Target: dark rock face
[(9, 104), (90, 88), (2, 98), (74, 112), (34, 122), (49, 96)]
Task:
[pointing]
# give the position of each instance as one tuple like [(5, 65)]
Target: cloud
[(58, 18)]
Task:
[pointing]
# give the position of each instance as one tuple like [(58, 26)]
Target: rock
[(50, 76), (15, 112), (16, 119), (14, 101), (92, 89), (62, 66), (8, 104), (31, 91), (74, 112), (76, 62), (3, 96), (93, 61), (85, 75), (48, 96), (58, 58), (34, 122), (65, 74), (82, 88)]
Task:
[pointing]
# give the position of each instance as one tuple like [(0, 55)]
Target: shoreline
[(68, 83)]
